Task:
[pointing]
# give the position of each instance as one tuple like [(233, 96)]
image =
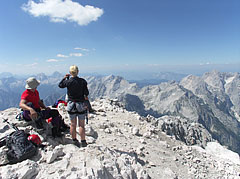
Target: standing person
[(34, 108), (77, 92)]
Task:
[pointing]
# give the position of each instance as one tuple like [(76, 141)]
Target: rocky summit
[(123, 145)]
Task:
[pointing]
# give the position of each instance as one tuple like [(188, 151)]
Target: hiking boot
[(84, 143), (76, 142)]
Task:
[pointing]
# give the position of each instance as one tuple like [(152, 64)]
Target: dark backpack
[(19, 147)]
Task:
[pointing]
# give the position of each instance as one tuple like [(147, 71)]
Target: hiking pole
[(12, 125)]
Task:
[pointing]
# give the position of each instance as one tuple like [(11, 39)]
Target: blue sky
[(106, 36)]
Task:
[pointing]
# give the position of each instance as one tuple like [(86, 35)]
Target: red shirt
[(32, 97)]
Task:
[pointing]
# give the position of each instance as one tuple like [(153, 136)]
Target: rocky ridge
[(211, 100), (123, 144), (221, 94)]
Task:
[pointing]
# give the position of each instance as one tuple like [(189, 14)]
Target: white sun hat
[(32, 83)]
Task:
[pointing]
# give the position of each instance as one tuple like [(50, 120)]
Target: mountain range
[(211, 100)]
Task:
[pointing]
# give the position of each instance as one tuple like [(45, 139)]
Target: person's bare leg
[(82, 129), (74, 133), (82, 133), (73, 128)]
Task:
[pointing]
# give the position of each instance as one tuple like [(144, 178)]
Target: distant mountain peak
[(57, 74)]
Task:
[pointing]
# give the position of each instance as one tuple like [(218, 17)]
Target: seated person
[(34, 108)]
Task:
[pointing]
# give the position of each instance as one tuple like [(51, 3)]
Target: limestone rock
[(115, 151)]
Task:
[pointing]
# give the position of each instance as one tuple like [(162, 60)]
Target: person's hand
[(67, 76), (33, 114)]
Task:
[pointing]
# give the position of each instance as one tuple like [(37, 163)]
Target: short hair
[(73, 70)]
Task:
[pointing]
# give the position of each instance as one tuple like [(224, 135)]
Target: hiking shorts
[(78, 117)]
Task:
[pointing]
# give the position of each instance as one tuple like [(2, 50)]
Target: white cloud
[(207, 63), (52, 60), (83, 49), (76, 54), (62, 11), (62, 56), (31, 65)]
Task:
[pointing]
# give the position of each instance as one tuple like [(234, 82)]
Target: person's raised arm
[(63, 82)]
